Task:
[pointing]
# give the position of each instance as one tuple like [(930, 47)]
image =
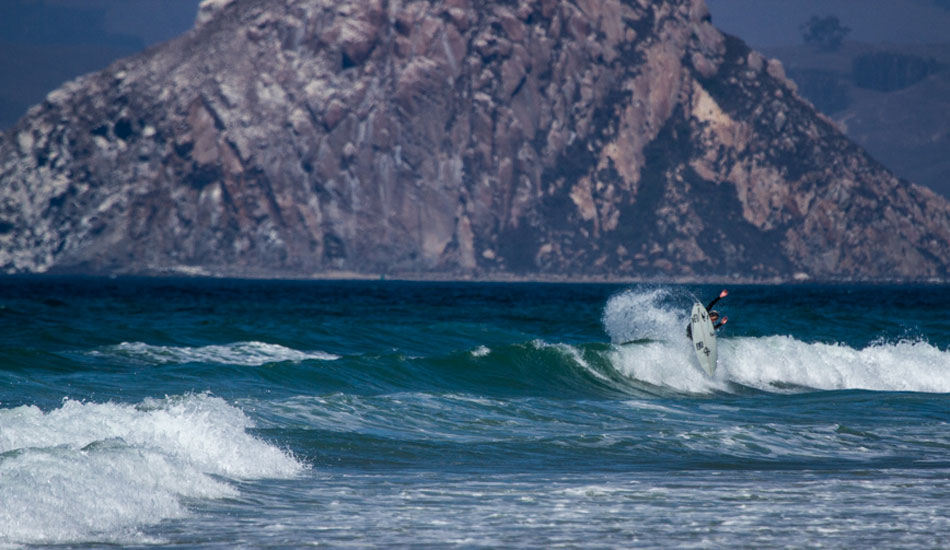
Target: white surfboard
[(704, 338)]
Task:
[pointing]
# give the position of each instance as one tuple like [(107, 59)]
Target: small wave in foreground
[(102, 471)]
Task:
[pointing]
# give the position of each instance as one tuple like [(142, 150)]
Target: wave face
[(279, 414)]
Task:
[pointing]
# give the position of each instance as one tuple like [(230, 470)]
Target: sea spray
[(645, 314), (650, 323)]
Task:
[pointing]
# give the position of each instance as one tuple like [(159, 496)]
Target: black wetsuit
[(689, 327)]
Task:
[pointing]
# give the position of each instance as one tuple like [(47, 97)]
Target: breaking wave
[(103, 471), (660, 355)]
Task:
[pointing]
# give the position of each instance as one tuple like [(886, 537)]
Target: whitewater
[(202, 414), (768, 363)]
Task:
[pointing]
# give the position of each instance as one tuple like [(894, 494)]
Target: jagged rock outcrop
[(616, 138)]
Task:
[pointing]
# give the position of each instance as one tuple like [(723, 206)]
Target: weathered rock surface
[(615, 138)]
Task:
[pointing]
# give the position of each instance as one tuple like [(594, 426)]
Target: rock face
[(614, 138)]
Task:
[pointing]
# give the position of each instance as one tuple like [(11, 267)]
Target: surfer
[(713, 315)]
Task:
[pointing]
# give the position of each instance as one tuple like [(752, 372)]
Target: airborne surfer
[(713, 315)]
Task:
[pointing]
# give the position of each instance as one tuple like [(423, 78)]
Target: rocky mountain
[(424, 138)]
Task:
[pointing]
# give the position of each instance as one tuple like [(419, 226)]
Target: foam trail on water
[(248, 354), (101, 471)]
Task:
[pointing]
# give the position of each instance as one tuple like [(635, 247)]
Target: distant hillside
[(893, 100), (422, 138)]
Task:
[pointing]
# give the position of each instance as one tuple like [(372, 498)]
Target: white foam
[(782, 363), (102, 471), (774, 361), (666, 365), (655, 320), (248, 354), (643, 314)]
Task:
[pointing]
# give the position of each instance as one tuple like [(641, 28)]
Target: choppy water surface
[(231, 414)]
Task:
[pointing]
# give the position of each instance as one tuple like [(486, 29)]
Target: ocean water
[(239, 414)]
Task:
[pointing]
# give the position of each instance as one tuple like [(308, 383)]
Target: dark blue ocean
[(146, 413)]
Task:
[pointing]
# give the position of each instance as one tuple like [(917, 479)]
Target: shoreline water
[(198, 273)]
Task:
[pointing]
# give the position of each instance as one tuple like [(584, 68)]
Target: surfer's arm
[(720, 323), (722, 295)]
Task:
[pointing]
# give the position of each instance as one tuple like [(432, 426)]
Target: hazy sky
[(759, 22), (94, 21), (764, 23), (46, 42)]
